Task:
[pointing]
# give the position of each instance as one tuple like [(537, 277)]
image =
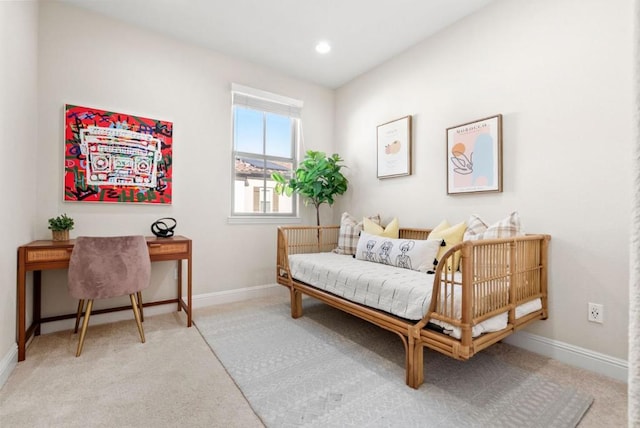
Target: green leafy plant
[(62, 222), (317, 179)]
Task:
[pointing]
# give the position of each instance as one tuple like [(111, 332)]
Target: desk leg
[(22, 339), (188, 308), (37, 299), (189, 291), (179, 284)]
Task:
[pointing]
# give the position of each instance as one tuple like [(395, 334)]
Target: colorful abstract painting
[(474, 156), (116, 157)]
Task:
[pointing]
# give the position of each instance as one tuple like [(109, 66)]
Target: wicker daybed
[(495, 277)]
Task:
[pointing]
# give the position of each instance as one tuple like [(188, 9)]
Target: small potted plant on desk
[(60, 227)]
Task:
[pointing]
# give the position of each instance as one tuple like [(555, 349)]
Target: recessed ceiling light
[(323, 47)]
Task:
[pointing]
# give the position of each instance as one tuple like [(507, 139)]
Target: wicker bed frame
[(488, 268)]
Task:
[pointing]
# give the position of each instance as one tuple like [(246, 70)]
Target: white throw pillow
[(405, 253)]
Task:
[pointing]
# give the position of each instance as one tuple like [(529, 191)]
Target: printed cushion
[(451, 235), (475, 227), (404, 253), (350, 229), (506, 228), (390, 231)]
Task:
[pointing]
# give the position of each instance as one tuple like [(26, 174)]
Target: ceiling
[(282, 34)]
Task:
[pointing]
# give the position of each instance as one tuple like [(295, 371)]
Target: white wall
[(18, 137), (560, 74), (91, 60)]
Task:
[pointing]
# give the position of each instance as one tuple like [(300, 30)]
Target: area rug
[(329, 369)]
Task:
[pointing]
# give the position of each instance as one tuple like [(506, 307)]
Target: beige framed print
[(474, 156), (394, 148)]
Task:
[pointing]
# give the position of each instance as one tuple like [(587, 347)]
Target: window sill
[(263, 220)]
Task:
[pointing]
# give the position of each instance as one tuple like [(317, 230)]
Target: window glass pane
[(253, 186), (253, 190), (248, 130), (264, 142), (278, 135), (281, 204), (249, 175)]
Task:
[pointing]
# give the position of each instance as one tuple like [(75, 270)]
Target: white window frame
[(266, 102)]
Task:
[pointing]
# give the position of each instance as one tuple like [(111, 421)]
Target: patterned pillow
[(404, 253), (350, 229), (475, 227), (506, 228), (392, 230)]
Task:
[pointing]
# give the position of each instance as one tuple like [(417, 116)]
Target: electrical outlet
[(596, 313)]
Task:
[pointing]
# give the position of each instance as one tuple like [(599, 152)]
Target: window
[(266, 129)]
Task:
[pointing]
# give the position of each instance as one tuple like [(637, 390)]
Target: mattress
[(402, 292)]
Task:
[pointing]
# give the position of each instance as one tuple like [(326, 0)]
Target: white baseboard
[(8, 363), (238, 295), (606, 365)]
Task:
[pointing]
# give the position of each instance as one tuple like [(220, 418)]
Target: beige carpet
[(175, 380), (171, 380)]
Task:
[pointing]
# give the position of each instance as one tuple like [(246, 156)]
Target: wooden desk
[(44, 255)]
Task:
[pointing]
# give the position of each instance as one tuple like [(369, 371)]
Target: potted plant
[(317, 179), (60, 227)]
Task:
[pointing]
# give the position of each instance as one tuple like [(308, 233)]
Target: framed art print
[(394, 148), (474, 156), (116, 157)]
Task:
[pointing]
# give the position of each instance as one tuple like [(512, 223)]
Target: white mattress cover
[(402, 292)]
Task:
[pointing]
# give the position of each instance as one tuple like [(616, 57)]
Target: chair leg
[(136, 313), (85, 324), (140, 306), (80, 308)]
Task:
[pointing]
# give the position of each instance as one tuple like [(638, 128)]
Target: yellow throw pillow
[(444, 224), (451, 235), (390, 231)]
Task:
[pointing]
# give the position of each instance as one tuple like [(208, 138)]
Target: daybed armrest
[(302, 239), (494, 276)]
